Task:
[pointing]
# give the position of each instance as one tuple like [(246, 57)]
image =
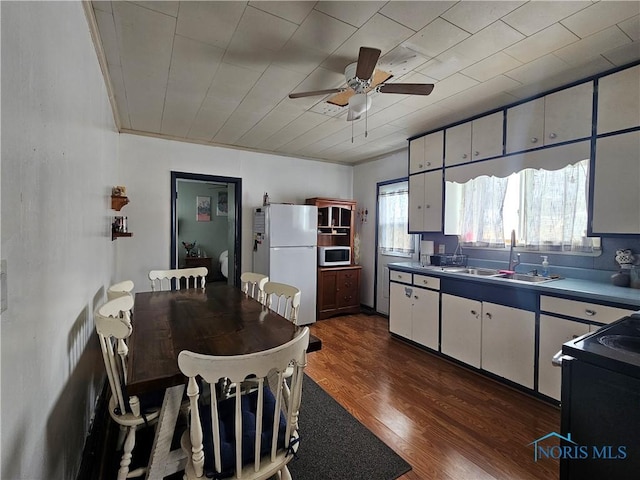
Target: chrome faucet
[(513, 262)]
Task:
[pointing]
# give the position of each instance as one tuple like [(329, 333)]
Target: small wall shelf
[(115, 235), (117, 202)]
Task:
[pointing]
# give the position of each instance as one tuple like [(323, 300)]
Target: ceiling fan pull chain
[(352, 131), (366, 116)]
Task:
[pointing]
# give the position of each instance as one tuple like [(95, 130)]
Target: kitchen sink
[(483, 272), (523, 277)]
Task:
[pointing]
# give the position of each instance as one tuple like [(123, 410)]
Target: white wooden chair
[(283, 299), (253, 285), (214, 439), (194, 278), (114, 327), (118, 289)]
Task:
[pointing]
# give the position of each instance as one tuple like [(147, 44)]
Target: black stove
[(615, 347)]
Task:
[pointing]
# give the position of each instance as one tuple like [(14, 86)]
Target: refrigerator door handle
[(558, 358)]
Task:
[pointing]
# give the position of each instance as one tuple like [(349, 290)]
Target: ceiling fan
[(362, 78)]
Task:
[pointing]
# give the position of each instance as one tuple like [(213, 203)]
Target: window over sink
[(548, 209)]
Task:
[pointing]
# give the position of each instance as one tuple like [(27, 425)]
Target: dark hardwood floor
[(448, 422)]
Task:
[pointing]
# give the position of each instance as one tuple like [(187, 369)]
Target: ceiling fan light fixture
[(358, 104)]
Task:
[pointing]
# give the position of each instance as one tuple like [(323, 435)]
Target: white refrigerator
[(285, 239)]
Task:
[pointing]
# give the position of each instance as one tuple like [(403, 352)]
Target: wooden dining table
[(217, 320)]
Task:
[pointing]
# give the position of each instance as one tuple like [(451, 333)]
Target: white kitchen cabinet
[(425, 153), (425, 202), (619, 100), (616, 196), (461, 328), (475, 140), (553, 333), (508, 342), (414, 313), (588, 311), (558, 117)]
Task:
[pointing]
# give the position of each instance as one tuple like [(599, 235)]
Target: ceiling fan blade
[(367, 60), (316, 92), (406, 88)]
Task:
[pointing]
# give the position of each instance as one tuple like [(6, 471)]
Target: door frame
[(200, 177)]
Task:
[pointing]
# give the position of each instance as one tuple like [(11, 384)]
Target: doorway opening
[(206, 216)]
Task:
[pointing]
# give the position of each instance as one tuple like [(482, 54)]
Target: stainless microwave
[(334, 256)]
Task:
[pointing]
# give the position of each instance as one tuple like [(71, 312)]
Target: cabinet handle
[(419, 165), (428, 206), (590, 312), (476, 153), (464, 155), (419, 207), (534, 139), (552, 135), (428, 164), (489, 316), (425, 282), (416, 297), (473, 312)]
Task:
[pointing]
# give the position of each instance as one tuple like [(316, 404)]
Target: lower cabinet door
[(553, 333), (425, 316), (508, 342), (461, 329), (400, 299)]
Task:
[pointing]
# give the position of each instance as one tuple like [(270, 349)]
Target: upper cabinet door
[(568, 114), (458, 144), (425, 153), (486, 136), (619, 100), (525, 126), (616, 196)]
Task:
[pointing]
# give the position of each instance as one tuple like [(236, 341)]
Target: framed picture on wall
[(222, 205), (203, 209)]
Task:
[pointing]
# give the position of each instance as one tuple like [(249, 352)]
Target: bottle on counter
[(545, 266)]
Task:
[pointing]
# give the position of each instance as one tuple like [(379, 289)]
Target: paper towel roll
[(426, 247)]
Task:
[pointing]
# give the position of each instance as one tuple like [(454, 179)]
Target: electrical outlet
[(3, 286)]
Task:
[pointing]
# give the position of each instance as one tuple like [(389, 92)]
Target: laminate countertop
[(564, 287)]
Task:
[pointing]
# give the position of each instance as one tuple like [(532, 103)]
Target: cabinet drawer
[(426, 282), (585, 311), (403, 277)]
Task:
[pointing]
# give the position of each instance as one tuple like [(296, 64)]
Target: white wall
[(59, 149), (145, 165), (365, 177)]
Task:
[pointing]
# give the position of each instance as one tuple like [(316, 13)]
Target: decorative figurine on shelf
[(625, 259), (190, 248)]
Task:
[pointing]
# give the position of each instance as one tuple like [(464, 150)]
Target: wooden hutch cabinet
[(338, 287)]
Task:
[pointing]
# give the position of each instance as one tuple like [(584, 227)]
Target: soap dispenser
[(545, 266)]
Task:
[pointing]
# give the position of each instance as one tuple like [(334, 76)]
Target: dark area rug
[(333, 444)]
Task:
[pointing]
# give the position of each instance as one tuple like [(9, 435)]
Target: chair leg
[(284, 474), (121, 435), (129, 443)]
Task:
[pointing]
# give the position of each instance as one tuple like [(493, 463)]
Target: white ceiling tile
[(379, 32), (546, 41), (166, 7), (299, 59), (435, 38), (295, 12), (593, 45), (401, 61), (108, 36), (322, 32), (445, 65), (264, 31), (600, 16), (481, 97), (209, 22), (488, 41), (474, 16), (491, 66), (193, 66), (623, 55), (305, 122), (271, 123), (415, 15), (631, 27), (538, 70), (450, 86), (329, 127), (353, 13), (532, 17), (145, 41)]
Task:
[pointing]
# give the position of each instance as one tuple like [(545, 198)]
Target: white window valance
[(549, 159)]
